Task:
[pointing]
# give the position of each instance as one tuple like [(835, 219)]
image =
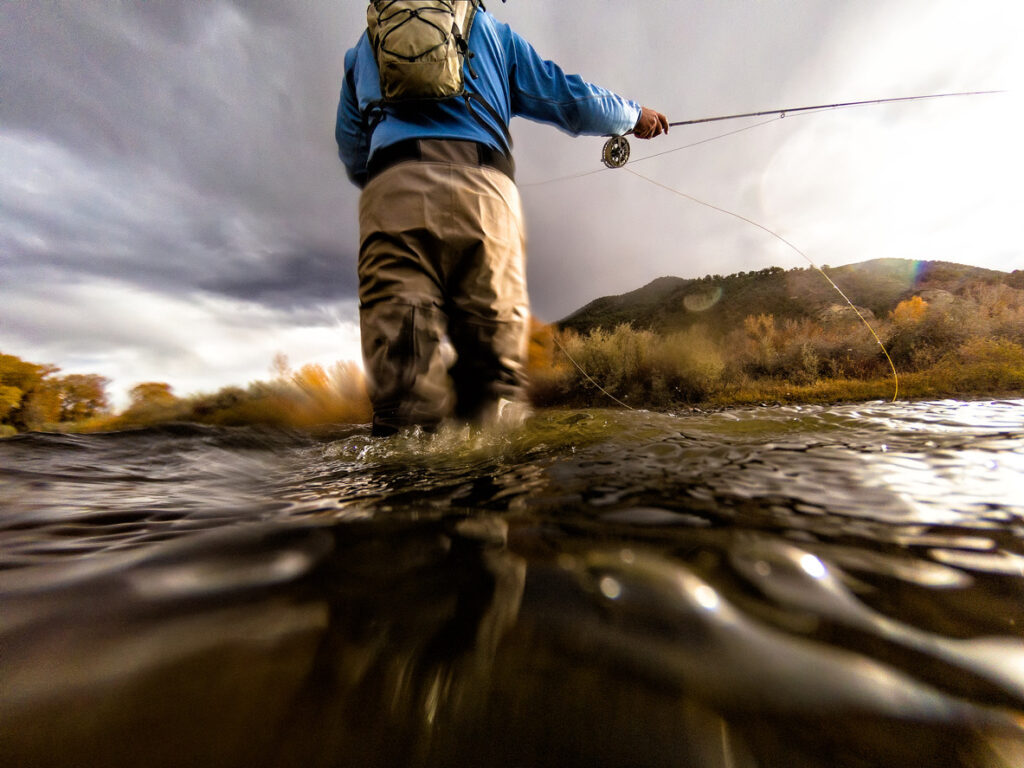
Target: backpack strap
[(463, 26)]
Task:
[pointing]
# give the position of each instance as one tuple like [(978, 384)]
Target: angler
[(422, 127)]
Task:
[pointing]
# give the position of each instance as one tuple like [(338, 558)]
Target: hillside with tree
[(920, 330), (721, 304)]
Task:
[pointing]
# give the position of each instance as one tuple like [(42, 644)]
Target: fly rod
[(616, 149)]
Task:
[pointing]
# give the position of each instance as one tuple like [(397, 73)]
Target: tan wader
[(442, 254)]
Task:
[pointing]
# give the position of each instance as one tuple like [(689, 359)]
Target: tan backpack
[(420, 47)]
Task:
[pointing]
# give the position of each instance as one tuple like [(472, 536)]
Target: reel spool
[(615, 152)]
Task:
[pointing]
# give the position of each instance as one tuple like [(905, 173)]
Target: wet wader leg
[(490, 309), (401, 316), (489, 368), (406, 376)]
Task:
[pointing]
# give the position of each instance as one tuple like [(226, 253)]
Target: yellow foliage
[(760, 328), (910, 311), (999, 352), (318, 396), (635, 366), (152, 394), (313, 380), (10, 398), (540, 351), (31, 397), (83, 396)]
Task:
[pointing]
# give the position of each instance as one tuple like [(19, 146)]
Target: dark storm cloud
[(288, 280), (73, 219), (175, 146), (152, 81)]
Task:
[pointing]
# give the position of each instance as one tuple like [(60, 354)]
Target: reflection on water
[(763, 587)]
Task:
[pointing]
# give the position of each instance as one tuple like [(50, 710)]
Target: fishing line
[(651, 157), (704, 141), (779, 237), (616, 152)]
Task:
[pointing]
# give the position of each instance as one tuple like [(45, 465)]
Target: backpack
[(420, 47)]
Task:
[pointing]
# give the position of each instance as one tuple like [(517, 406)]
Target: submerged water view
[(786, 586)]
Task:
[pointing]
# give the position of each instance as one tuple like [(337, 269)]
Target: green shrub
[(985, 365)]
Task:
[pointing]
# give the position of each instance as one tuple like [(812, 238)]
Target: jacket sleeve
[(350, 128), (541, 91)]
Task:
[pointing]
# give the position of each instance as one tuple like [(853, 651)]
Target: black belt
[(441, 151)]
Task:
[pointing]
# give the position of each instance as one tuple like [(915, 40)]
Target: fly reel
[(615, 152)]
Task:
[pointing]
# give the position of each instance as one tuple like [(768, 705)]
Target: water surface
[(801, 586)]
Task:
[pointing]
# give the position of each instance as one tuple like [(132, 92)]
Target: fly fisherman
[(441, 239)]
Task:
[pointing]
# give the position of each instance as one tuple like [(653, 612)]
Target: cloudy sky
[(172, 207)]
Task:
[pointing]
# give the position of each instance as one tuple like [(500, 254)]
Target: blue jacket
[(513, 79)]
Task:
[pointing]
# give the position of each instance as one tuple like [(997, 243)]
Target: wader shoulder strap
[(504, 138)]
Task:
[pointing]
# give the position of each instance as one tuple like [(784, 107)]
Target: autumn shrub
[(634, 366), (335, 395), (33, 397), (686, 366), (757, 351), (151, 402), (983, 365), (766, 348), (852, 351), (997, 311), (233, 406), (611, 360), (789, 361), (917, 341), (311, 396), (802, 350), (551, 377)]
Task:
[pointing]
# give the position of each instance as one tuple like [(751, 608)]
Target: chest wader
[(442, 256)]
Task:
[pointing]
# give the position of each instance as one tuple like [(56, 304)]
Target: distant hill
[(721, 303)]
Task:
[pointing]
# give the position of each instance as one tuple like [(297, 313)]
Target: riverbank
[(641, 369), (281, 407), (768, 364)]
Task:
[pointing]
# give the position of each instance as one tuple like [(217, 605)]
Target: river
[(778, 586)]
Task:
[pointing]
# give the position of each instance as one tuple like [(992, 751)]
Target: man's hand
[(650, 124)]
